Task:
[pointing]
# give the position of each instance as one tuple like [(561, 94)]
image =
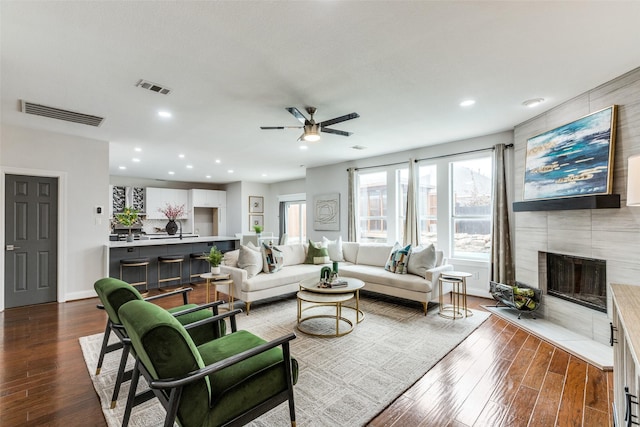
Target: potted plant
[(258, 229), (214, 258), (128, 217)]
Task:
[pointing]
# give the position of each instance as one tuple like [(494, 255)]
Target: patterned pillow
[(398, 260), (316, 254), (272, 259)]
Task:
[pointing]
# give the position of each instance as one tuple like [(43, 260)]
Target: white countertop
[(168, 241)]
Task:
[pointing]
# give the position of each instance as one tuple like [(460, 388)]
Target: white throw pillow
[(334, 247), (250, 260), (231, 258), (422, 259)]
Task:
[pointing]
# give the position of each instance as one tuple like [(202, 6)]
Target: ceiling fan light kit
[(311, 129)]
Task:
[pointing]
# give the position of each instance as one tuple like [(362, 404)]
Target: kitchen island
[(153, 248)]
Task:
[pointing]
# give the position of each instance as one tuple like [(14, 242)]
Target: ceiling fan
[(311, 129)]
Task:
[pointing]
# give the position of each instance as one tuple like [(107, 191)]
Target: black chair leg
[(103, 349), (126, 347), (132, 394)]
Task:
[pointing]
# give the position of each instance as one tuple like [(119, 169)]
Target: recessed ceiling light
[(137, 149), (189, 166), (208, 176), (122, 167), (217, 160), (230, 171), (264, 175), (172, 173), (303, 147), (181, 156), (136, 160), (164, 114), (534, 102), (467, 103)]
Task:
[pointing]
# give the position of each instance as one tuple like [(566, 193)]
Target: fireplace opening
[(579, 280)]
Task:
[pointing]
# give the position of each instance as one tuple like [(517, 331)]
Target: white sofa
[(362, 261)]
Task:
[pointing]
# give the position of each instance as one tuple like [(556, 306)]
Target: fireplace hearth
[(578, 280)]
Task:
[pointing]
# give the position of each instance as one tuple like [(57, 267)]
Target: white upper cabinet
[(208, 198), (158, 198)]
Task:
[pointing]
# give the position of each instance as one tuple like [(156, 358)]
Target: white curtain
[(352, 207), (411, 226), (502, 267)]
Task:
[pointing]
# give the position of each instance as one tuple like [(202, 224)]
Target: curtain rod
[(433, 158)]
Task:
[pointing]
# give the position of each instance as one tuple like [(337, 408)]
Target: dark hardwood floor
[(499, 376)]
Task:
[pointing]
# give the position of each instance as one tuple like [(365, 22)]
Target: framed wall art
[(326, 212), (256, 220), (256, 204), (572, 160)]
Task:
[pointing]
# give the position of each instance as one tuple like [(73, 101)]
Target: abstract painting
[(572, 160), (326, 213)]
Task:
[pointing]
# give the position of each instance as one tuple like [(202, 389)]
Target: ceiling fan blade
[(297, 114), (339, 119), (281, 127), (335, 131)]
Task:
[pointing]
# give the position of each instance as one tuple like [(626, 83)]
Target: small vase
[(215, 270), (171, 227), (129, 237)]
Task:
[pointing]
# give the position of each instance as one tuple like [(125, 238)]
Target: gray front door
[(31, 238)]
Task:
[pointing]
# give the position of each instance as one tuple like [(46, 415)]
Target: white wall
[(83, 167)]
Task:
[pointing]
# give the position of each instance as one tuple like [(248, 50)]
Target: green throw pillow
[(317, 254)]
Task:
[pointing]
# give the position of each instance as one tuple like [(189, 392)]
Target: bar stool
[(169, 260), (137, 262), (198, 257)]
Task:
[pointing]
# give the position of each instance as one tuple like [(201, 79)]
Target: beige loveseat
[(362, 261)]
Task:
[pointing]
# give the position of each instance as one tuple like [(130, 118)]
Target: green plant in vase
[(258, 229), (128, 217), (214, 258)]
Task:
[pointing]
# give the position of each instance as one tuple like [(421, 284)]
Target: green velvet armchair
[(228, 381), (113, 293)]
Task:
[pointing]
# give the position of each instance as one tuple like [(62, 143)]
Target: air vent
[(60, 114), (154, 87), (359, 147)]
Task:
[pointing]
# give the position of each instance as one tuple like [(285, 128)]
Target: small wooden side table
[(458, 307), (219, 280)]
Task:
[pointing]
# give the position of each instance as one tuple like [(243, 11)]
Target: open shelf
[(601, 201)]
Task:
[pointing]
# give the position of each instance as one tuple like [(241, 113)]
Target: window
[(428, 204), (296, 221), (372, 207), (471, 208)]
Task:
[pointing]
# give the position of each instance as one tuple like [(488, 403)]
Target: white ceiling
[(234, 66)]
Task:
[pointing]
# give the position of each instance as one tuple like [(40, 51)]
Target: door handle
[(11, 247)]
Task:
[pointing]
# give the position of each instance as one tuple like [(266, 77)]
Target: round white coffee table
[(333, 297)]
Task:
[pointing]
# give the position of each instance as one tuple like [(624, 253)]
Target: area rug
[(343, 381)]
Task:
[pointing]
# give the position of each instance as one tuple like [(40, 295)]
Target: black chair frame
[(169, 391), (125, 344)]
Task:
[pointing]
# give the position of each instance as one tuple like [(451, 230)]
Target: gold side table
[(458, 307), (219, 280)]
